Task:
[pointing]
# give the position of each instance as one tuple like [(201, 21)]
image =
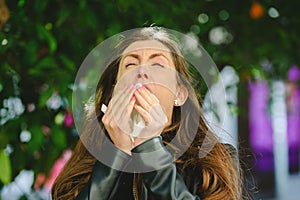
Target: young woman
[(147, 77)]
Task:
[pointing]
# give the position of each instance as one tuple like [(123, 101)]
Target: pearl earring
[(176, 102)]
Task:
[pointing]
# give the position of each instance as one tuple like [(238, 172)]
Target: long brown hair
[(214, 176)]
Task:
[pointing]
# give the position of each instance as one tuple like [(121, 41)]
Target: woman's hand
[(152, 113), (116, 118)]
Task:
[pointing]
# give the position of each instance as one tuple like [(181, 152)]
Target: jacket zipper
[(134, 188)]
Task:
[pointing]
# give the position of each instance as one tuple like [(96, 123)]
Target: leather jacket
[(162, 181)]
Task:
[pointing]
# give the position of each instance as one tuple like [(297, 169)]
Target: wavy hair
[(214, 176)]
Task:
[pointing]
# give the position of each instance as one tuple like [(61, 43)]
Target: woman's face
[(150, 63)]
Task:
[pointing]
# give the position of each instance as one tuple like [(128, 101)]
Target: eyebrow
[(159, 54), (151, 56), (132, 55)]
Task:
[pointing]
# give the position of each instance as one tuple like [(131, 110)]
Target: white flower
[(54, 102), (21, 186), (219, 35), (12, 107)]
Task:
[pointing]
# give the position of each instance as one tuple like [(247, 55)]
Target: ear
[(181, 95)]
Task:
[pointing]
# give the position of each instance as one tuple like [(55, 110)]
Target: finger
[(155, 109), (125, 115), (142, 101), (110, 122), (158, 114), (131, 106), (123, 98), (123, 120), (118, 111), (109, 106), (145, 115), (121, 115), (149, 96), (120, 104), (107, 115)]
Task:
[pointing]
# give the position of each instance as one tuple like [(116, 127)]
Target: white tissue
[(103, 108), (138, 85), (137, 123)]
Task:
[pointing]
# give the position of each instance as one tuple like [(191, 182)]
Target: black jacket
[(162, 181)]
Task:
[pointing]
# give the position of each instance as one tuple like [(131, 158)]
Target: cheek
[(166, 97), (125, 78), (165, 78)]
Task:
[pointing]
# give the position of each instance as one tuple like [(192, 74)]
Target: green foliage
[(44, 43), (5, 168)]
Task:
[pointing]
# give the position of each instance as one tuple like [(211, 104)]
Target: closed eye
[(129, 64), (158, 64)]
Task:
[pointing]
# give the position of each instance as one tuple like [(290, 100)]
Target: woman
[(141, 165)]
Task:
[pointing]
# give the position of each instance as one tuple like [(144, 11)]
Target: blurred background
[(254, 43)]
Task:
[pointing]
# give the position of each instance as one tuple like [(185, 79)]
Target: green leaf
[(44, 66), (4, 139), (59, 137), (37, 139), (44, 96), (40, 6), (90, 18), (21, 3), (46, 35), (68, 63), (64, 13), (5, 168)]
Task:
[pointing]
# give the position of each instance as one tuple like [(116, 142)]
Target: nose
[(143, 72)]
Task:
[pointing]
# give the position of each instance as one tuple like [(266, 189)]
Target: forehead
[(146, 45)]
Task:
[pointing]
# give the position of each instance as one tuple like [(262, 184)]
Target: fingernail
[(142, 88), (133, 98)]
